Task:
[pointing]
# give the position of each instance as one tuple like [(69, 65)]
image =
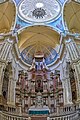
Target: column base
[(48, 118), (68, 104), (29, 118), (11, 104), (78, 101), (1, 99)]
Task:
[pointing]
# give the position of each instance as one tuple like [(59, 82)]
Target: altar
[(39, 111)]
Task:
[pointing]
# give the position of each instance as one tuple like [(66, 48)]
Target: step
[(39, 118)]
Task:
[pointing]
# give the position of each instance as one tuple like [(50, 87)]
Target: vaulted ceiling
[(7, 16), (38, 36), (72, 16), (36, 39)]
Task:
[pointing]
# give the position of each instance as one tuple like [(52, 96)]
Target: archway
[(73, 84), (7, 74)]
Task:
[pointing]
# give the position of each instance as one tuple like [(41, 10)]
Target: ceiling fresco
[(41, 12)]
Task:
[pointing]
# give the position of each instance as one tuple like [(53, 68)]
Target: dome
[(38, 39), (39, 10)]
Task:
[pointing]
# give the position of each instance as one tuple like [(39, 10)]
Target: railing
[(9, 116), (71, 116), (64, 110), (66, 113)]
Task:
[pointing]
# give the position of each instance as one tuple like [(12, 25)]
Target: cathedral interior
[(39, 59)]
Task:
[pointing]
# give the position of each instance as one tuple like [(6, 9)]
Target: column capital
[(75, 61), (11, 38)]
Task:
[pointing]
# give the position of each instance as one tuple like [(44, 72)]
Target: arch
[(7, 74)]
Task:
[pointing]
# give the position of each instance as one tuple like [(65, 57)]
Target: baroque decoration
[(39, 13), (39, 60), (39, 10)]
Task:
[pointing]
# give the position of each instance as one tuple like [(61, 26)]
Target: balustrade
[(73, 116), (67, 113), (7, 116)]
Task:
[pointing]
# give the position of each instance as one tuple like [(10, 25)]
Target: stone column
[(48, 118), (3, 58), (2, 66), (20, 109), (11, 92), (58, 109), (29, 118), (66, 84), (74, 55), (67, 92), (49, 101), (6, 49), (29, 102), (76, 66), (3, 49), (72, 49)]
